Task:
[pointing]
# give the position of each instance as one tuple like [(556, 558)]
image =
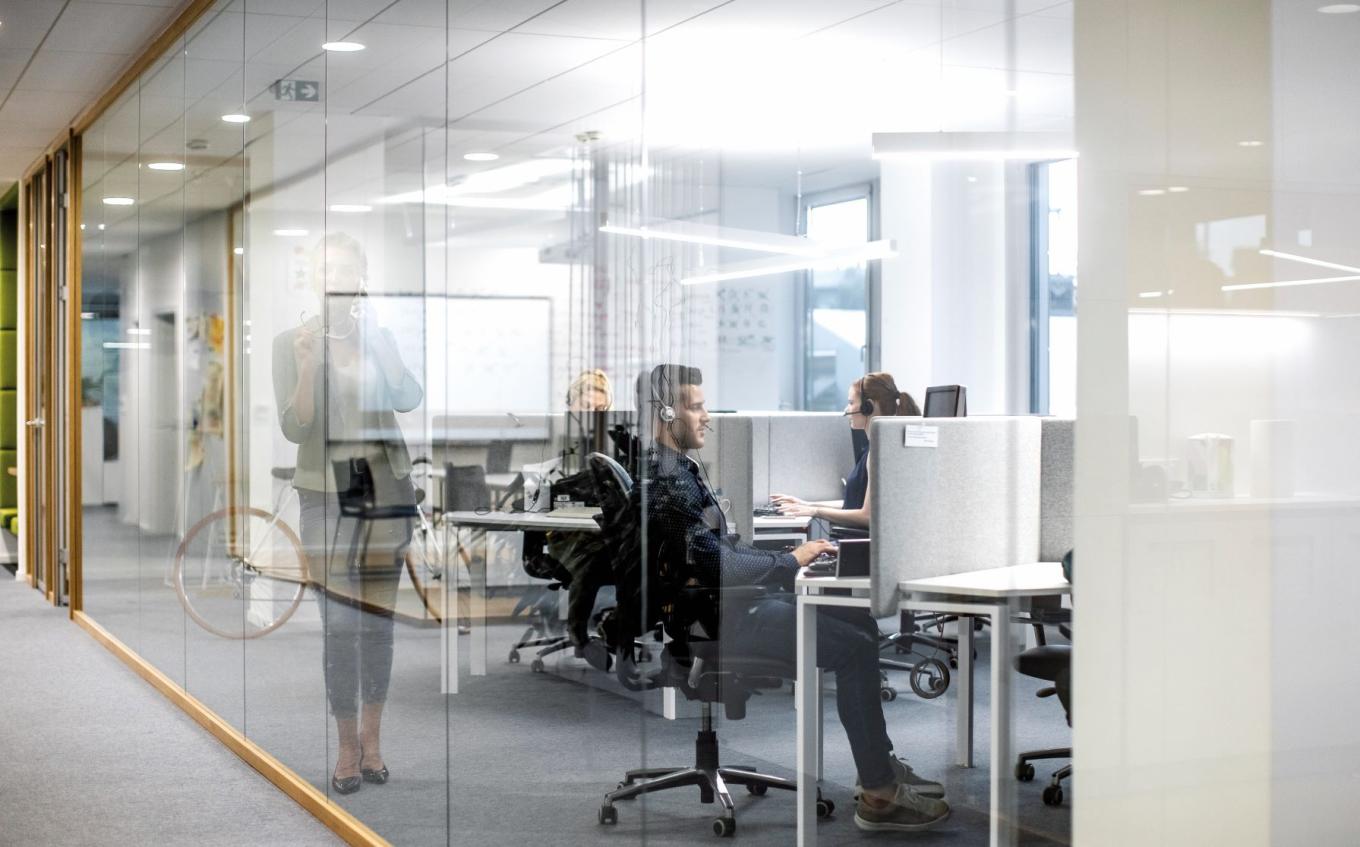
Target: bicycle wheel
[(240, 572)]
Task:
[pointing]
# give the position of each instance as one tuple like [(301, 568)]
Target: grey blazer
[(312, 462)]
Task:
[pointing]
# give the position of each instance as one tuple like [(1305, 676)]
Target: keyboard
[(576, 512), (767, 512)]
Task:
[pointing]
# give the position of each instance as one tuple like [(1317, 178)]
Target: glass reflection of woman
[(338, 379), (871, 395)]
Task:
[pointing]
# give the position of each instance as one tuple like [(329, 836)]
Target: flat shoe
[(377, 777), (348, 785)]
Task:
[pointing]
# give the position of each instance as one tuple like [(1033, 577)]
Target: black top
[(684, 515), (857, 483)]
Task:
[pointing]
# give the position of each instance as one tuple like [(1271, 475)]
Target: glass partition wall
[(358, 276)]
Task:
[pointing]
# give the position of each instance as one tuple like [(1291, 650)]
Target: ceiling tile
[(12, 62), (77, 72), (42, 109), (15, 160), (107, 27), (26, 22)]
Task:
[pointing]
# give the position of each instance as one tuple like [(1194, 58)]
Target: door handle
[(35, 423)]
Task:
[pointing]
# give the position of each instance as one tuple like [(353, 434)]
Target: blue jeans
[(847, 645)]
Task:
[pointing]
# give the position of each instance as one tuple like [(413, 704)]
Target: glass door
[(46, 234)]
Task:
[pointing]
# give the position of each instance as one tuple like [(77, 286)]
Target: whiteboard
[(473, 354)]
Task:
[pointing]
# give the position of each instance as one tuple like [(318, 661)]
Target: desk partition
[(962, 495), (1055, 488)]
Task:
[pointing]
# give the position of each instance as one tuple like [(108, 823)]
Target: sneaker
[(908, 812), (904, 775)]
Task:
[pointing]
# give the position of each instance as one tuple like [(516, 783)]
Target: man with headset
[(683, 513)]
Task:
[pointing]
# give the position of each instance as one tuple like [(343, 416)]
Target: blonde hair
[(591, 380)]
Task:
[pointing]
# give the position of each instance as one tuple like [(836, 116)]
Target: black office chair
[(927, 674), (692, 661), (1051, 662), (357, 495)]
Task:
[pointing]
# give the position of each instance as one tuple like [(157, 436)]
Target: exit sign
[(304, 90)]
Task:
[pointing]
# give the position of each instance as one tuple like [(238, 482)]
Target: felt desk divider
[(727, 463), (807, 454), (1056, 498), (968, 503)]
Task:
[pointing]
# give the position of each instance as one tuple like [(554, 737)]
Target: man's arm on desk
[(682, 515)]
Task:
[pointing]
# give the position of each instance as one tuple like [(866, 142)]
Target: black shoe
[(378, 777), (348, 785)]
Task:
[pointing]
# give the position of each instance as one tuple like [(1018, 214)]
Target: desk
[(989, 593)]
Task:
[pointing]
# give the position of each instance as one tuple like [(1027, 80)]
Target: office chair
[(1051, 662), (357, 495), (691, 661), (928, 676)]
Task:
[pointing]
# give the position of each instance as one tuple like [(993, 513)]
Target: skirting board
[(339, 821)]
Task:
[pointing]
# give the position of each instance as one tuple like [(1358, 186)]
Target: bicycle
[(241, 571)]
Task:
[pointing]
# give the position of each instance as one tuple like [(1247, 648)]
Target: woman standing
[(338, 379)]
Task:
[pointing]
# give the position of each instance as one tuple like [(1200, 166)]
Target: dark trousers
[(847, 645), (356, 603)]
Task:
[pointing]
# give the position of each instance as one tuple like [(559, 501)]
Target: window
[(1053, 288), (836, 330)]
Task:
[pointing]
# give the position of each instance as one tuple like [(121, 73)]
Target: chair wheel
[(514, 657), (825, 808), (929, 678), (724, 827), (887, 694), (757, 788), (1024, 771), (536, 666), (1053, 795), (609, 815)]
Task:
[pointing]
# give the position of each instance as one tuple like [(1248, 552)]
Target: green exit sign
[(302, 90)]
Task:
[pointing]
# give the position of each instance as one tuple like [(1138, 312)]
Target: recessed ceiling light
[(1177, 189), (1152, 192), (118, 201), (1148, 295), (481, 157), (101, 227), (82, 226), (342, 46), (290, 233), (1250, 143), (166, 166), (350, 207), (1339, 9), (239, 251), (236, 119)]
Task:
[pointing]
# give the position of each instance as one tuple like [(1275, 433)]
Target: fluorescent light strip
[(127, 345), (133, 330), (1226, 313), (1148, 295), (1292, 283), (976, 155), (350, 207), (872, 250), (694, 235), (1307, 261)]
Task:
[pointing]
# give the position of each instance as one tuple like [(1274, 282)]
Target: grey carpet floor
[(523, 758), (94, 755)]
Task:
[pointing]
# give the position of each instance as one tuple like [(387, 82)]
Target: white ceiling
[(773, 86), (56, 57)]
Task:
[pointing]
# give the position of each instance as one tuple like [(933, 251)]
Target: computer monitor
[(946, 401)]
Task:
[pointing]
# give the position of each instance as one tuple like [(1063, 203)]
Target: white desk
[(989, 593)]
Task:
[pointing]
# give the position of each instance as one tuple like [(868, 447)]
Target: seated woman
[(871, 395)]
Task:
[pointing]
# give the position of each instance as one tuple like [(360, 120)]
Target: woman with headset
[(338, 382), (871, 395)]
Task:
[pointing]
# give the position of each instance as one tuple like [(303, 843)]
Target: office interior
[(445, 238)]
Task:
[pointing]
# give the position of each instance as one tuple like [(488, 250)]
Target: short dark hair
[(660, 386)]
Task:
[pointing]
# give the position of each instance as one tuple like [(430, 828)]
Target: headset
[(664, 410)]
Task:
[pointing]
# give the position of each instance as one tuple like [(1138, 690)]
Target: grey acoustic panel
[(810, 454), (726, 458), (969, 503), (1056, 473)]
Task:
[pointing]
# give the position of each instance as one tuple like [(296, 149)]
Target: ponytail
[(881, 389), (907, 406)]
